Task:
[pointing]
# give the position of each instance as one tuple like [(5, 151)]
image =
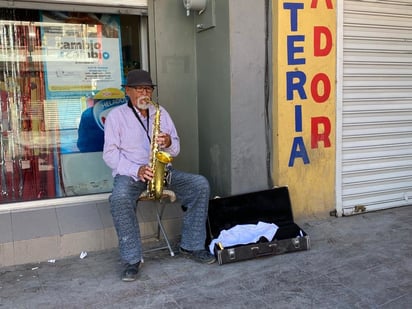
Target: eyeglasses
[(141, 89)]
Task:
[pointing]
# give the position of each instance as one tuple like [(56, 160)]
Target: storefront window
[(60, 75)]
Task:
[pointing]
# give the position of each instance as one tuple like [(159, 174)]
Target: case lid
[(270, 206)]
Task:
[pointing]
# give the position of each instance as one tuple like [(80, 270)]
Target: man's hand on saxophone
[(164, 140), (145, 173)]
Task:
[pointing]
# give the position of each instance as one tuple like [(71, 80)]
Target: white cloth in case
[(244, 234)]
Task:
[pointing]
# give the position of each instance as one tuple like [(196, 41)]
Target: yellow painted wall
[(304, 68)]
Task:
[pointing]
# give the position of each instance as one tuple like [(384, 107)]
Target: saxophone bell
[(159, 179)]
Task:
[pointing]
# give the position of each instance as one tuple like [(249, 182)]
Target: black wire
[(268, 127)]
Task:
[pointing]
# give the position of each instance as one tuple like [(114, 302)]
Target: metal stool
[(160, 207)]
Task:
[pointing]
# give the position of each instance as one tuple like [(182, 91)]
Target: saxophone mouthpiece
[(144, 100)]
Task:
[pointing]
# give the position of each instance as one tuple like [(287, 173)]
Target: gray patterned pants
[(191, 190)]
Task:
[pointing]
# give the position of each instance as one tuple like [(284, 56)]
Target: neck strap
[(146, 128)]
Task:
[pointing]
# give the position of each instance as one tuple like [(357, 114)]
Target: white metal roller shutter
[(376, 153)]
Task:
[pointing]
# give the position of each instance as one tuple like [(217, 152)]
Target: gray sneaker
[(201, 256)]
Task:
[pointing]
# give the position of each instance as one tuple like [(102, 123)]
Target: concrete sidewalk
[(363, 261)]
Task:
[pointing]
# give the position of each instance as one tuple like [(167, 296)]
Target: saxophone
[(158, 162)]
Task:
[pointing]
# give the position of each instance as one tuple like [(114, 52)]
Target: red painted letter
[(314, 4), (316, 135), (317, 36), (320, 77)]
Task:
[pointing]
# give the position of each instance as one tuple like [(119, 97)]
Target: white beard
[(143, 102)]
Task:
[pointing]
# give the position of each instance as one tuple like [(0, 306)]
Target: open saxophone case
[(253, 225)]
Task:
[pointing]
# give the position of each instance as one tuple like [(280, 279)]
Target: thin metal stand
[(160, 207)]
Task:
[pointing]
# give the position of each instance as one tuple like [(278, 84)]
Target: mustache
[(143, 100)]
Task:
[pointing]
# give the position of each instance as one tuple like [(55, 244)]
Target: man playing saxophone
[(127, 150)]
